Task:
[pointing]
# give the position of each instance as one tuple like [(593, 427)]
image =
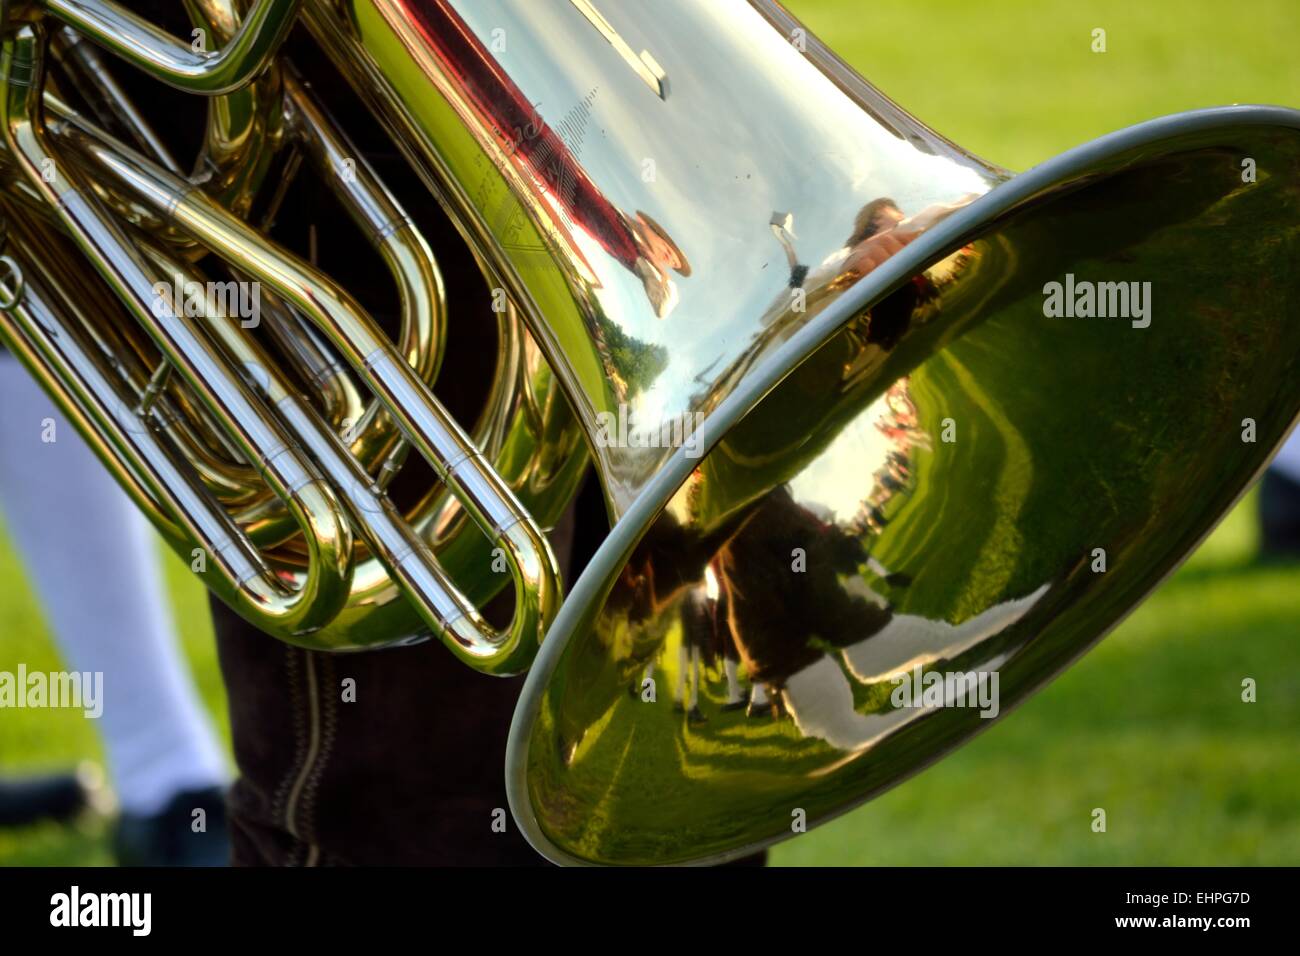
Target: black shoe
[(25, 800), (1279, 516), (735, 705), (696, 716), (170, 838)]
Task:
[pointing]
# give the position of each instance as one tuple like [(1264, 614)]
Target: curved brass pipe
[(244, 132), (174, 411), (91, 75), (340, 399), (153, 475), (198, 438), (423, 309), (509, 427), (245, 128), (512, 431), (422, 328), (422, 332), (396, 545), (27, 330), (141, 43), (418, 413), (34, 330), (259, 436)]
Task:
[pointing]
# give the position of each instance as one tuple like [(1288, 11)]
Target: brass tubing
[(218, 464), (123, 206), (126, 361), (264, 518), (245, 128), (423, 328), (340, 399), (197, 437), (261, 514), (260, 438), (408, 559), (139, 42), (422, 335), (423, 319), (418, 413), (81, 58), (183, 512)]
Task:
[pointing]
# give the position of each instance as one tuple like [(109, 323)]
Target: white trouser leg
[(91, 558), (695, 679), (731, 669), (683, 662)]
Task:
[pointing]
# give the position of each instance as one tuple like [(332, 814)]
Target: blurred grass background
[(1149, 725)]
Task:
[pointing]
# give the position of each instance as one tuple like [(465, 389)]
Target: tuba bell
[(887, 435)]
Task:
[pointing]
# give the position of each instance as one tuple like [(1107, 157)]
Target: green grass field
[(1150, 724)]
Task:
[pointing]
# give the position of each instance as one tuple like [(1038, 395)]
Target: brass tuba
[(887, 435)]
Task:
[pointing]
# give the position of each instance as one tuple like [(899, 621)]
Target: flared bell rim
[(598, 578)]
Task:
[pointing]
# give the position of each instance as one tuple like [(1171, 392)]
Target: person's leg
[(735, 696), (697, 672), (91, 558), (679, 682), (409, 771)]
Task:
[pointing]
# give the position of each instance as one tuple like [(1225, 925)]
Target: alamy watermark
[(133, 911), (975, 689), (236, 300), (67, 690), (624, 430), (1103, 300)]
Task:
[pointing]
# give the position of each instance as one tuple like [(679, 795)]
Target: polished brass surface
[(848, 542), (389, 582), (626, 225), (245, 54), (844, 442), (926, 495), (292, 478)]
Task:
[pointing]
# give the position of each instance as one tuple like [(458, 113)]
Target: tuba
[(887, 435)]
